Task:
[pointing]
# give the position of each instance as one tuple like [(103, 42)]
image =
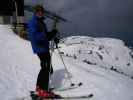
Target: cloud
[(94, 15)]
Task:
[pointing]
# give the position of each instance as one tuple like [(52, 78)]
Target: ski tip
[(80, 84), (72, 84), (91, 95)]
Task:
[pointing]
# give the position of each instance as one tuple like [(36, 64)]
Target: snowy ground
[(104, 65)]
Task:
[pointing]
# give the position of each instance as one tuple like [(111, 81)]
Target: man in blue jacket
[(38, 36)]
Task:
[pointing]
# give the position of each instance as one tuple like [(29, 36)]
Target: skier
[(39, 37)]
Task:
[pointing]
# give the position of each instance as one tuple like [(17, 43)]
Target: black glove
[(54, 31), (56, 40), (52, 34)]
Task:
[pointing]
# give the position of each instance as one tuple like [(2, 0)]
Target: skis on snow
[(35, 97)]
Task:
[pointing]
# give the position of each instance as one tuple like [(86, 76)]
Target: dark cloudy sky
[(92, 16)]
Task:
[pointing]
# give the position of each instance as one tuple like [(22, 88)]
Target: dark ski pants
[(43, 76)]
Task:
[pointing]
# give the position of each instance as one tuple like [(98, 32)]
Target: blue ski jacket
[(37, 34)]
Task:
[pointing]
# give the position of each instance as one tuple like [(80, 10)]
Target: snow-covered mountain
[(103, 65), (105, 52)]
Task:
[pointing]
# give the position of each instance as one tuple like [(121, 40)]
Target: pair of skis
[(73, 86), (35, 97), (88, 96)]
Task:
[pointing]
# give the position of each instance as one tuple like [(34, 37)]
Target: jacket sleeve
[(31, 30), (35, 36)]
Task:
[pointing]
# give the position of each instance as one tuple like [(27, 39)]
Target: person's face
[(40, 13)]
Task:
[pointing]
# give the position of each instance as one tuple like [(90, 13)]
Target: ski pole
[(56, 44), (68, 74), (58, 35)]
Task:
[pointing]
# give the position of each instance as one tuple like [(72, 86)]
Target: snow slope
[(17, 73), (104, 65)]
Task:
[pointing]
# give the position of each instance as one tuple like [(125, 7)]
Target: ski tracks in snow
[(102, 82)]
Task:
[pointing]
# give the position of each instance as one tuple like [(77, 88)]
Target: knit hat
[(38, 8)]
